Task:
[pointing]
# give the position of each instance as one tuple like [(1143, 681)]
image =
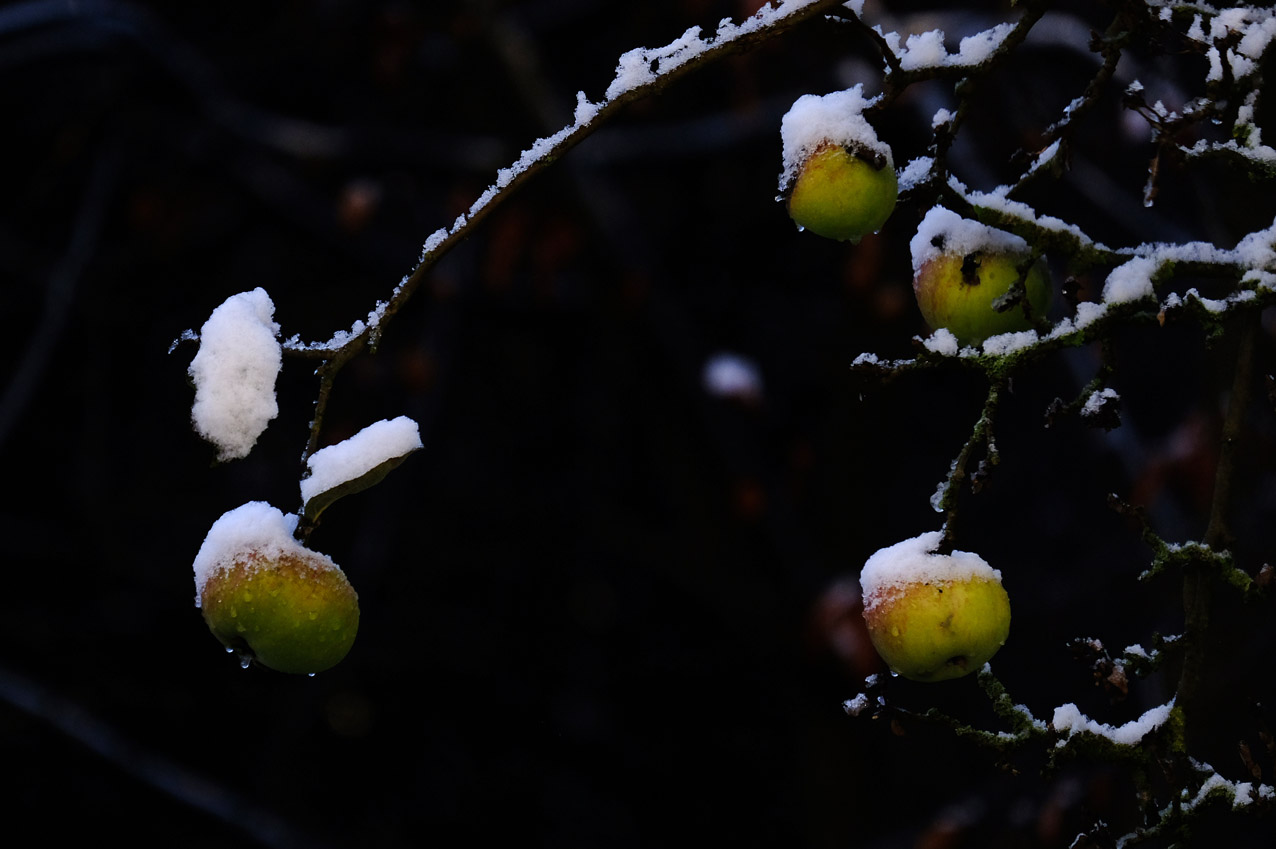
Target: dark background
[(601, 607)]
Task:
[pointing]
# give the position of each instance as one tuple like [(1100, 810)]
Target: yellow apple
[(841, 195), (292, 611), (932, 616), (957, 292)]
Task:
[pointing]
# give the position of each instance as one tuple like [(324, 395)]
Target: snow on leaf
[(357, 463)]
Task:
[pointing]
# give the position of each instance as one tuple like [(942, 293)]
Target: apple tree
[(940, 158)]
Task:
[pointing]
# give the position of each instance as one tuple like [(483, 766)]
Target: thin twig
[(59, 292), (154, 770)]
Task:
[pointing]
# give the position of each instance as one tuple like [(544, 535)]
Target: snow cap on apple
[(962, 268), (269, 598), (933, 616), (838, 177)]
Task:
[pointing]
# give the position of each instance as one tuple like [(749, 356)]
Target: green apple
[(958, 292), (932, 616), (841, 195), (292, 611)]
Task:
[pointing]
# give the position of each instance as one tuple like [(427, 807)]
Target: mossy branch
[(1198, 579), (982, 437)]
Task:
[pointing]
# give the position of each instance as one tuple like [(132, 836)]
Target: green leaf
[(322, 500)]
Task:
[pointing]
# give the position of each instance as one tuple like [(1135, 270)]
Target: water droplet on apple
[(894, 674), (245, 661)]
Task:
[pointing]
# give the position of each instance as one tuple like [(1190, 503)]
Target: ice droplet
[(937, 499)]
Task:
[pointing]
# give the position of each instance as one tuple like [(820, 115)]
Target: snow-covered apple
[(839, 177), (962, 268), (843, 194), (292, 613), (271, 599), (933, 616), (958, 294)]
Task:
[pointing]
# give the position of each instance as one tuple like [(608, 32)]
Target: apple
[(933, 616), (291, 610), (958, 291), (840, 194)]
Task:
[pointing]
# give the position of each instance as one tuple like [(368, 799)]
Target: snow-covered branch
[(639, 73)]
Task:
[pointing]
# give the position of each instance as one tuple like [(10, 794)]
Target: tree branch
[(663, 66)]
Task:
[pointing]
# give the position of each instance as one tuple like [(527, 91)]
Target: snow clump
[(642, 65), (252, 528), (914, 173), (914, 561), (234, 372), (1007, 343), (944, 232), (942, 342), (1094, 405), (1069, 720), (814, 121), (926, 49), (1130, 281)]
